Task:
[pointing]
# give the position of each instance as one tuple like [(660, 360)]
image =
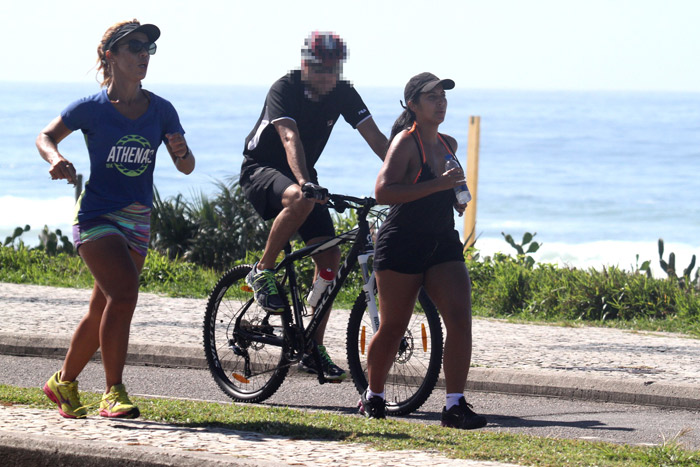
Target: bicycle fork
[(368, 289)]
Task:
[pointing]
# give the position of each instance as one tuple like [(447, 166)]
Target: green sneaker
[(116, 404), (331, 371), (65, 394), (265, 288)]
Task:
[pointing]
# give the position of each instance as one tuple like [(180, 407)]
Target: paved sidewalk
[(587, 363), (28, 436)]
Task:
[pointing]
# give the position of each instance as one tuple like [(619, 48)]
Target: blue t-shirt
[(122, 151)]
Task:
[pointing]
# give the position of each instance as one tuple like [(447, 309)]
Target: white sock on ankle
[(452, 399), (371, 394)]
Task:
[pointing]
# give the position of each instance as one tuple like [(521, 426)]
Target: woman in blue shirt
[(123, 125)]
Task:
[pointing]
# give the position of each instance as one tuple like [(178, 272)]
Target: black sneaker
[(374, 407), (331, 371), (265, 288), (463, 417)]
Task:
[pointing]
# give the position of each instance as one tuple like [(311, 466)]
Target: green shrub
[(211, 232), (503, 287)]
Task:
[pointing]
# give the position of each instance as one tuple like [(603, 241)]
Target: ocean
[(599, 176)]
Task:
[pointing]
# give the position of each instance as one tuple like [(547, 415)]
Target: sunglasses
[(137, 46), (319, 69)]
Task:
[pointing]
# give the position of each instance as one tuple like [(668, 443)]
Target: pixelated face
[(320, 79)]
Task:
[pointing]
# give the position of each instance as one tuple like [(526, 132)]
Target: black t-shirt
[(315, 120)]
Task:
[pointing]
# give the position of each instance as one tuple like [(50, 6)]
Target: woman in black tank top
[(417, 245)]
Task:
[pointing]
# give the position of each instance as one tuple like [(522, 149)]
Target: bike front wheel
[(417, 364), (237, 340)]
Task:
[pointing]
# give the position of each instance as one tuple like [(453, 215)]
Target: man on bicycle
[(278, 176)]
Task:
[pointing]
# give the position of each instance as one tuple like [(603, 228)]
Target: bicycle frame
[(361, 251), (237, 330)]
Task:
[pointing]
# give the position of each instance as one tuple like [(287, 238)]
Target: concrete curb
[(139, 354), (33, 450), (552, 384), (544, 383)]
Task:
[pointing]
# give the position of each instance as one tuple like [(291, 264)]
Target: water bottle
[(461, 191), (324, 279)]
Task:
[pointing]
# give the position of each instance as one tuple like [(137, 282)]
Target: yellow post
[(472, 181)]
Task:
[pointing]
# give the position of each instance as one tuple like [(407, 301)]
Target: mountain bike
[(250, 351)]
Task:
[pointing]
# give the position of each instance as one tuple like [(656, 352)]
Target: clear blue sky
[(492, 44)]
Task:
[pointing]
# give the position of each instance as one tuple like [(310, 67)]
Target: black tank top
[(431, 214)]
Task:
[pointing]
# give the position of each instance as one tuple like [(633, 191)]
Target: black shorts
[(264, 187), (415, 253)]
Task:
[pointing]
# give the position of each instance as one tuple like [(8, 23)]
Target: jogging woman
[(123, 125), (417, 245)]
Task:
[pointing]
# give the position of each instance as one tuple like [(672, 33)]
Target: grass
[(386, 435), (160, 275)]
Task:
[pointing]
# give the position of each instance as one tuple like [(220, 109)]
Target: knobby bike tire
[(416, 368), (224, 348)]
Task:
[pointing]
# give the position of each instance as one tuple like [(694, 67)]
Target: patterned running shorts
[(133, 223)]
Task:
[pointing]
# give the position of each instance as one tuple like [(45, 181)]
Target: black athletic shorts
[(264, 188), (414, 253)]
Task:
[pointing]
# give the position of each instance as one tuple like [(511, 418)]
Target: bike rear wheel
[(246, 370), (416, 367)]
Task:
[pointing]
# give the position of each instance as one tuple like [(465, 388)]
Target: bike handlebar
[(341, 202)]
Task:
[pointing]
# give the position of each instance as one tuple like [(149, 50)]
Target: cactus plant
[(523, 254), (16, 234), (49, 242), (669, 267)]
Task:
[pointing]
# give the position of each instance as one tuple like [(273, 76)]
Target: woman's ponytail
[(404, 122)]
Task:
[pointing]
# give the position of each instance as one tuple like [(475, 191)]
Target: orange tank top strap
[(450, 150), (419, 143), (447, 146)]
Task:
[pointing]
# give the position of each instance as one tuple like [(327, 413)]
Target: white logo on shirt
[(121, 154)]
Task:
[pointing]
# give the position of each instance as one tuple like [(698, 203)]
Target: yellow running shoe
[(65, 394), (116, 404)]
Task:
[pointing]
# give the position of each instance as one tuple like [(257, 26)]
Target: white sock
[(371, 394), (452, 399)]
